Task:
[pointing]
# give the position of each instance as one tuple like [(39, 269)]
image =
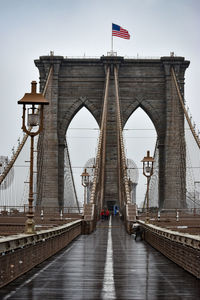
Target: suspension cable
[(21, 145), (121, 142), (190, 173), (184, 109), (101, 140), (72, 177)]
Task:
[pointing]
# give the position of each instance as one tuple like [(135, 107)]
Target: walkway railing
[(20, 253), (181, 248), (18, 210)]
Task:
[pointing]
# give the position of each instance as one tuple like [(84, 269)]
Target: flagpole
[(111, 43)]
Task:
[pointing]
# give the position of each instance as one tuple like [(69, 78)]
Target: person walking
[(107, 214), (102, 214)]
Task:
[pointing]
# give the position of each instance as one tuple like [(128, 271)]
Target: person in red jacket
[(107, 214), (102, 214)]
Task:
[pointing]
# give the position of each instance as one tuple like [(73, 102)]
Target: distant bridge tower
[(90, 166), (133, 176)]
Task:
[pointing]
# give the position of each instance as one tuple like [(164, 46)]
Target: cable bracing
[(192, 153), (100, 158), (70, 196), (121, 150), (11, 197)]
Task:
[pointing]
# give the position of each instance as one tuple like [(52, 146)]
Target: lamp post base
[(30, 226)]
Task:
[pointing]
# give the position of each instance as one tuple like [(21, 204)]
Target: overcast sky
[(29, 29)]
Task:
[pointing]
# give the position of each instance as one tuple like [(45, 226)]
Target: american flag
[(120, 32)]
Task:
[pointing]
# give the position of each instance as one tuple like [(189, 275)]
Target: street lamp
[(148, 172), (85, 182), (34, 103)]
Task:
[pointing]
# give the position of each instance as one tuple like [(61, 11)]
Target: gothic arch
[(150, 110), (73, 110), (138, 139)]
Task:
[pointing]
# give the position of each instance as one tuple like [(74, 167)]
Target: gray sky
[(29, 29)]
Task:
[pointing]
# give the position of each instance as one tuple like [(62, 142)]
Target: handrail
[(186, 239)]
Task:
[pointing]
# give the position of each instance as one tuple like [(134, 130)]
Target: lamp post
[(34, 104), (148, 172), (85, 182)]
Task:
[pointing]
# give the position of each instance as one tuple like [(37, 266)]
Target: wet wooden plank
[(108, 264)]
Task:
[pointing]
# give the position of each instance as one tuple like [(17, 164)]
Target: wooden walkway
[(108, 264)]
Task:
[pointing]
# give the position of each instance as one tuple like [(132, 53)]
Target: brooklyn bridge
[(104, 246)]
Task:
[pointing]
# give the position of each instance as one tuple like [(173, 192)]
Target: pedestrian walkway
[(108, 264)]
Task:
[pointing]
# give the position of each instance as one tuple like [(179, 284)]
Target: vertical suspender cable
[(184, 109), (101, 141), (119, 128)]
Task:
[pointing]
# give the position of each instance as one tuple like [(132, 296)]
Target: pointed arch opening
[(139, 136), (82, 137)]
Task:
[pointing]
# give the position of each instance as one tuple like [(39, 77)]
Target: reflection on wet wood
[(134, 270)]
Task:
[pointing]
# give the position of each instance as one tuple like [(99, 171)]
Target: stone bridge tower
[(145, 83)]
